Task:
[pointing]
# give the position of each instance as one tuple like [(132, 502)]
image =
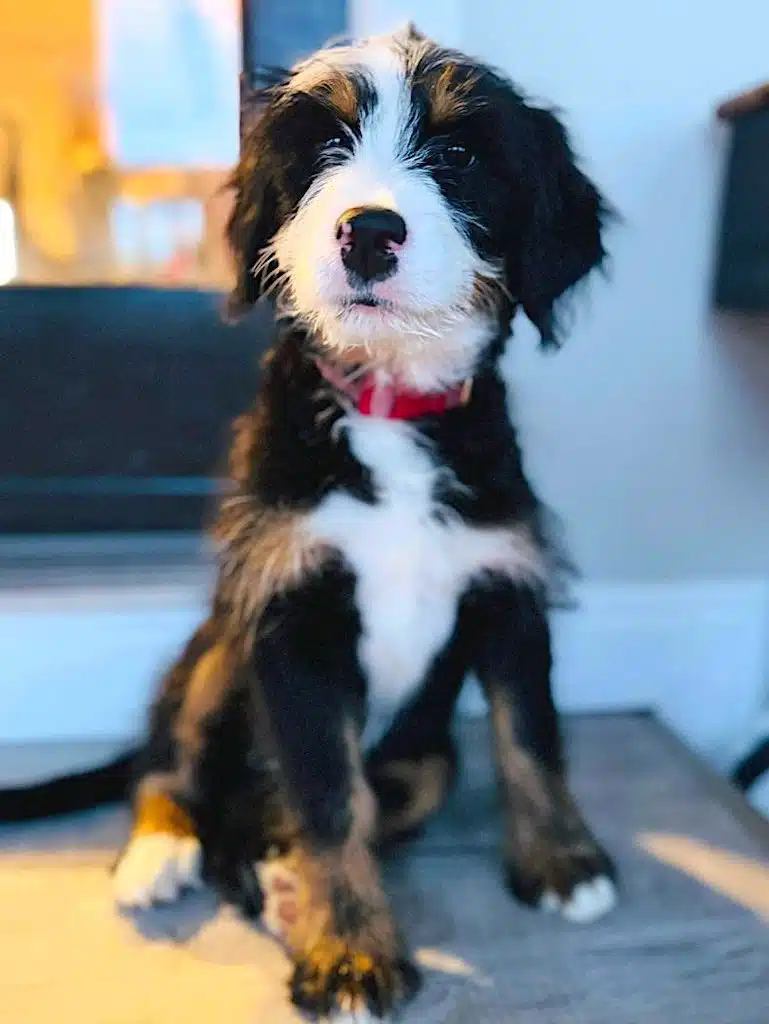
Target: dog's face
[(403, 200)]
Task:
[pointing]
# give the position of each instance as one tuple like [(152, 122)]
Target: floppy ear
[(562, 234), (253, 221)]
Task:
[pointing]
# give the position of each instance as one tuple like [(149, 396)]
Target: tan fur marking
[(427, 781), (329, 882), (486, 292), (529, 807), (242, 449), (544, 830), (314, 72), (263, 552), (523, 779), (156, 813), (450, 94), (317, 879), (339, 93), (362, 802), (210, 680)]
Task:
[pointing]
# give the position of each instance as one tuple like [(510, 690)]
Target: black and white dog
[(400, 203)]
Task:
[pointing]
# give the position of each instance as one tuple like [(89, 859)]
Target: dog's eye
[(457, 157)]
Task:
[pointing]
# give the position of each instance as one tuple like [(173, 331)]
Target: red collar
[(392, 401)]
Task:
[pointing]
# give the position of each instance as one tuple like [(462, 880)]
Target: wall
[(441, 20), (650, 431)]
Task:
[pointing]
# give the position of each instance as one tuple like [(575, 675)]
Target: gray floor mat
[(688, 943)]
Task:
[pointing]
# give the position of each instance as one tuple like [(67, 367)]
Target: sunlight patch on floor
[(446, 963), (741, 879)]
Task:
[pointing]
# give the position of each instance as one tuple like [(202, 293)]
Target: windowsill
[(101, 560)]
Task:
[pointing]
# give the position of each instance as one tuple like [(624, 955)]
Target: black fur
[(305, 659), (80, 791), (296, 460)]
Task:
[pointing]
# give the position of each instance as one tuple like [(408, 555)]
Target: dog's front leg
[(552, 859), (329, 906)]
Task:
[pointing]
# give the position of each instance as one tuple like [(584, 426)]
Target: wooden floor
[(689, 943)]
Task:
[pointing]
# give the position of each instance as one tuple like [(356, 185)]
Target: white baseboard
[(695, 653), (81, 663)]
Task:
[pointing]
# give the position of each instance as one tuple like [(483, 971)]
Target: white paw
[(156, 868), (350, 1012), (280, 888), (588, 902)]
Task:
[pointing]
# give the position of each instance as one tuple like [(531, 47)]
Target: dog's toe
[(577, 882), (354, 987), (587, 902), (156, 869), (283, 895)]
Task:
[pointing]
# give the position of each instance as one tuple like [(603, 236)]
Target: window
[(119, 120), (9, 263)]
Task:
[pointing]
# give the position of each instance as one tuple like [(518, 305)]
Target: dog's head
[(403, 200)]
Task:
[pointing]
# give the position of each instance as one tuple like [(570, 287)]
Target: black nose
[(368, 237)]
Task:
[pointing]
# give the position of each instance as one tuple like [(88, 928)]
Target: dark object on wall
[(276, 36), (280, 34), (115, 405), (753, 766), (742, 267)]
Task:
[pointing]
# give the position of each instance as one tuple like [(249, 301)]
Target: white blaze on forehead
[(386, 128), (376, 51)]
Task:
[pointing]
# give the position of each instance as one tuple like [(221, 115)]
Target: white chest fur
[(411, 567)]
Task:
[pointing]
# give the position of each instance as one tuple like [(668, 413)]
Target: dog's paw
[(587, 902), (156, 868), (340, 984), (332, 979), (284, 898), (578, 882)]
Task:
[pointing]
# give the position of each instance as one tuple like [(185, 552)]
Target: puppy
[(399, 203)]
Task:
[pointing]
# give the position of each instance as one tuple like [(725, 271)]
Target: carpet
[(688, 943)]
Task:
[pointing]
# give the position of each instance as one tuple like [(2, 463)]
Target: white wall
[(650, 431), (441, 20)]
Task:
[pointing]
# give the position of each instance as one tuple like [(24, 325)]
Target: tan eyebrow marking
[(451, 93), (339, 92)]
